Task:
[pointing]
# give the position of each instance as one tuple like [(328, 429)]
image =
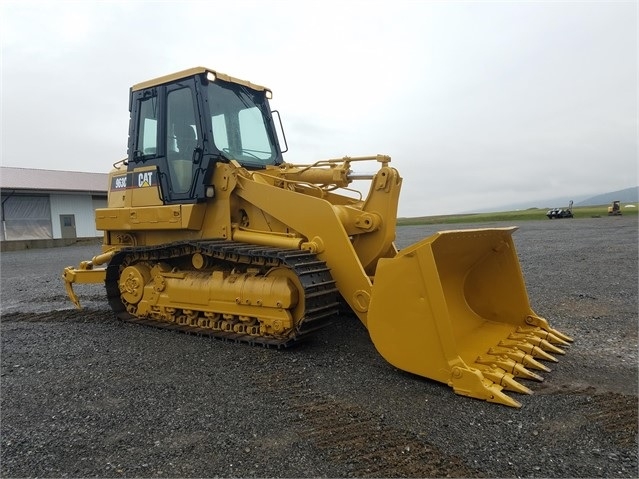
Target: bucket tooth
[(520, 371), (532, 339), (505, 380), (546, 346), (561, 335), (510, 384), (520, 357), (531, 362), (547, 335), (501, 398), (510, 366), (541, 354), (531, 349), (543, 324), (553, 339), (471, 382)]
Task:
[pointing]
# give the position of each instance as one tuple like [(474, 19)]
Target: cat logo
[(145, 179)]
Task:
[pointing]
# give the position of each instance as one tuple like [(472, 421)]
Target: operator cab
[(186, 122)]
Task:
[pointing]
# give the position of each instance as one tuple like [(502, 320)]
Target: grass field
[(519, 215)]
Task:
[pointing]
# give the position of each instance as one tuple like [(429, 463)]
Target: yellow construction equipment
[(615, 208), (207, 229)]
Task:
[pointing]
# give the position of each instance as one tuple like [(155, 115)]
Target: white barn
[(49, 204)]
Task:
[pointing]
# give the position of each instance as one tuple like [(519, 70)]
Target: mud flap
[(454, 308)]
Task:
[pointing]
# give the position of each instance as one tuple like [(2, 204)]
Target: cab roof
[(193, 72)]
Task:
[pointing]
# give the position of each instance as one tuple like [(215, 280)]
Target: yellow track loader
[(208, 230)]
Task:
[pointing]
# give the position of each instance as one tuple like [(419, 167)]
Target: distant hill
[(627, 195)]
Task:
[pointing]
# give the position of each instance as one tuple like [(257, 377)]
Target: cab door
[(183, 144), (165, 143)]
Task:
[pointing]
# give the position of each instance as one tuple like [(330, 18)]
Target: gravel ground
[(84, 395)]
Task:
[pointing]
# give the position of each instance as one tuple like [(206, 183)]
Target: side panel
[(139, 187), (169, 217), (145, 187)]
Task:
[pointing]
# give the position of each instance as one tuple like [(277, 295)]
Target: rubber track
[(321, 295)]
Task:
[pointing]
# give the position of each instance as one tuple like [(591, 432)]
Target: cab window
[(148, 127)]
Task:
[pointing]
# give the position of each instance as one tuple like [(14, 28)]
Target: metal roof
[(52, 180)]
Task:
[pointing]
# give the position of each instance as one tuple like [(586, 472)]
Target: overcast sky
[(479, 104)]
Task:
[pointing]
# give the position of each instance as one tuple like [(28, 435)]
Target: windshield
[(240, 123)]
